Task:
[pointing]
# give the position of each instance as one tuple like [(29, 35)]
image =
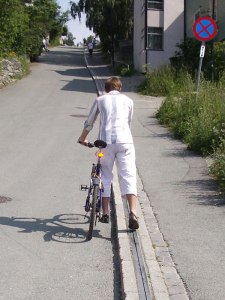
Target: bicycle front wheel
[(93, 210)]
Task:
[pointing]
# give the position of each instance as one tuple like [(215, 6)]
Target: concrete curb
[(129, 284), (156, 283), (164, 281)]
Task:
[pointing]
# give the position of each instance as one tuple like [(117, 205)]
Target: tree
[(13, 23), (111, 20), (23, 27), (70, 39), (188, 56), (47, 19), (65, 31)]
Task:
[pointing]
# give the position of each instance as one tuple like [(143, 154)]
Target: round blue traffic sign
[(205, 29)]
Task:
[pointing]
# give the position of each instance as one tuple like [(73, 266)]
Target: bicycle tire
[(93, 210)]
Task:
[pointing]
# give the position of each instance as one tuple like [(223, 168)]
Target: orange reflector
[(100, 154)]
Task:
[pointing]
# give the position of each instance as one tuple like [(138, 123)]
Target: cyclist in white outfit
[(116, 111)]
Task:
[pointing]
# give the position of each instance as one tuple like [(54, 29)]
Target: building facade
[(158, 27)]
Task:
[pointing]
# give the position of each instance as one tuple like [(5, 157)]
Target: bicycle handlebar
[(98, 144), (89, 145)]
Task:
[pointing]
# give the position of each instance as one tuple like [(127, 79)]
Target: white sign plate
[(202, 51)]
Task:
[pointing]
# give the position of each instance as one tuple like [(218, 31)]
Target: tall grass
[(198, 120), (218, 167), (165, 81)]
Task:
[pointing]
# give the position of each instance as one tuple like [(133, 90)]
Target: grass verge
[(198, 120)]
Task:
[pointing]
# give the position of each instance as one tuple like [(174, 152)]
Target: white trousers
[(124, 156)]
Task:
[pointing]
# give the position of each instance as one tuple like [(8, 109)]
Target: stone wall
[(10, 70)]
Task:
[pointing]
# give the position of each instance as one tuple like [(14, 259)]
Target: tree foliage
[(13, 22), (111, 20), (23, 27), (187, 56)]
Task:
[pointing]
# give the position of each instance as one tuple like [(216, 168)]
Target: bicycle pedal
[(83, 187)]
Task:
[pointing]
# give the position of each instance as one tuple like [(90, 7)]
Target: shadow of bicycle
[(61, 228)]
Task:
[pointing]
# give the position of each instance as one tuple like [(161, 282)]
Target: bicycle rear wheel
[(93, 210)]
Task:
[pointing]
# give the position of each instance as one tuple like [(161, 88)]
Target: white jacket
[(116, 111)]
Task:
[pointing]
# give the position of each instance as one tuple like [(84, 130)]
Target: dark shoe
[(133, 222), (104, 219)]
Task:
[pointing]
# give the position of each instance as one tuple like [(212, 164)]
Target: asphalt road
[(44, 253)]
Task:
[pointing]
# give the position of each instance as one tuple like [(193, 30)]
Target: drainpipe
[(185, 19), (146, 33), (212, 43)]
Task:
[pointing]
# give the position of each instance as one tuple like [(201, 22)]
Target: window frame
[(153, 35), (155, 4)]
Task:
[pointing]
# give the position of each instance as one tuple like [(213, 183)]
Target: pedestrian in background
[(90, 47), (47, 43), (44, 44)]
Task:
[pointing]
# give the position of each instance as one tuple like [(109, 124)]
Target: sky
[(79, 30)]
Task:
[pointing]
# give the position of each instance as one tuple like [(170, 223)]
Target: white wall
[(172, 19)]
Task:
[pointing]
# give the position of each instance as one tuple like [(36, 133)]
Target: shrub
[(217, 168), (126, 71), (158, 82), (165, 81), (123, 68), (196, 119), (187, 56)]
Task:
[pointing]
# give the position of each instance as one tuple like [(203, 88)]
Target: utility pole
[(146, 34)]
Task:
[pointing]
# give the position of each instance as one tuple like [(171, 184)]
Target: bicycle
[(93, 203)]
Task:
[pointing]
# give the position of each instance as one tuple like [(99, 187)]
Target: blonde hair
[(113, 83)]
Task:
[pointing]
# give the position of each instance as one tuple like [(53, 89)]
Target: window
[(155, 4), (155, 38)]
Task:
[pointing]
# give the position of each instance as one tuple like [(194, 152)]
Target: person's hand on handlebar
[(83, 138), (83, 142), (86, 143)]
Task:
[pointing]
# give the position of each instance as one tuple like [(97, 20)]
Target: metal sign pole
[(205, 29), (201, 56)]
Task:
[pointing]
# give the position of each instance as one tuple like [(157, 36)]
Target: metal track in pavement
[(138, 260)]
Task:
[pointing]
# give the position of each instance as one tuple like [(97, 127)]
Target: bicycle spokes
[(93, 203)]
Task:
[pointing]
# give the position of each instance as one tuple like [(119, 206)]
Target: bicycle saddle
[(100, 144)]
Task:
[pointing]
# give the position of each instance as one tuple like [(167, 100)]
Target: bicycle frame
[(93, 203), (95, 180)]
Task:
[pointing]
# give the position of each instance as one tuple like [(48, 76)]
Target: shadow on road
[(61, 228), (75, 72), (203, 192), (80, 81), (78, 85), (63, 56)]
